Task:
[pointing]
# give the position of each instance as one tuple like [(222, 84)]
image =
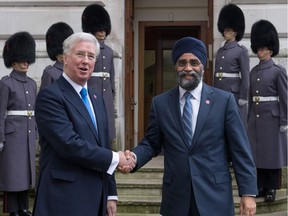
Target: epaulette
[(48, 67), (240, 44), (5, 77), (279, 66)]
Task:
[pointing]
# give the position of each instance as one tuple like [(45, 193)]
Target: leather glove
[(283, 128), (242, 102), (1, 146)]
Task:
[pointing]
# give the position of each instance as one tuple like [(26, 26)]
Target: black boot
[(261, 192), (270, 195), (24, 212)]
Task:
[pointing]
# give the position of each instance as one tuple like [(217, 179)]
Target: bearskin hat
[(55, 37), (231, 16), (19, 47), (95, 18), (264, 34)]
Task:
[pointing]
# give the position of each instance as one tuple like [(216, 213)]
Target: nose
[(188, 67)]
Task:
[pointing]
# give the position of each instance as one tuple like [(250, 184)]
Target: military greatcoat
[(17, 160), (105, 85), (269, 145), (233, 58), (51, 73)]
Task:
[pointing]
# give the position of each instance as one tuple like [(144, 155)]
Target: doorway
[(156, 70), (203, 30)]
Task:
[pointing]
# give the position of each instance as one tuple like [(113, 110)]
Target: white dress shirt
[(195, 101)]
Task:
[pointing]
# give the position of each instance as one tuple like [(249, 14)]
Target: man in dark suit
[(197, 179), (76, 161)]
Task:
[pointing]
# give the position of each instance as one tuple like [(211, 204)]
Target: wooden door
[(156, 71), (129, 75), (157, 49)]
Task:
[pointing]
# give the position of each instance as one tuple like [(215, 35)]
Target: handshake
[(127, 161)]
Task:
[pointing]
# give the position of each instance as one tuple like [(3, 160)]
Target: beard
[(189, 85)]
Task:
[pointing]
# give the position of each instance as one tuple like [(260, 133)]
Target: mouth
[(83, 69), (187, 76)]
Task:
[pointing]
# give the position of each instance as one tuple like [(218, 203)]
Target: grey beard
[(189, 85)]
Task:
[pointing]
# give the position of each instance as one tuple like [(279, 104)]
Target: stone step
[(140, 193), (144, 173), (142, 203), (279, 205), (282, 213)]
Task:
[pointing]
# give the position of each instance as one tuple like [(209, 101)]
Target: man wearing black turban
[(196, 133)]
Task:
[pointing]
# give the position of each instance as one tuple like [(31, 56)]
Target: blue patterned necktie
[(83, 94), (187, 117)]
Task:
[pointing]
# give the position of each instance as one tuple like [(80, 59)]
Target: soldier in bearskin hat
[(232, 60), (17, 127), (267, 114), (55, 36), (96, 20)]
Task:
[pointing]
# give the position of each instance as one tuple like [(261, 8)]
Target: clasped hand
[(127, 161)]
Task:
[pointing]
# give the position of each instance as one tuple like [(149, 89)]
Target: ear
[(65, 59)]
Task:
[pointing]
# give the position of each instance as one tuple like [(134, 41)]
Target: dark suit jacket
[(74, 157), (203, 165)]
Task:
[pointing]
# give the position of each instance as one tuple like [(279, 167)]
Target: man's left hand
[(247, 206), (111, 208)]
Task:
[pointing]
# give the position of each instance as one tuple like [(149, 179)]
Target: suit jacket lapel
[(72, 96), (176, 113), (205, 106)]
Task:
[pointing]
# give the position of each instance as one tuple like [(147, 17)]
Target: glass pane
[(150, 71), (169, 77)]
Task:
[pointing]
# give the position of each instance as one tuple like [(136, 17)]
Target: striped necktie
[(187, 117)]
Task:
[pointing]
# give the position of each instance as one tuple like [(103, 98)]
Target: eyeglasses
[(184, 62), (83, 55)]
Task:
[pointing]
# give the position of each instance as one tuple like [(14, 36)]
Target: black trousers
[(15, 201), (269, 178)]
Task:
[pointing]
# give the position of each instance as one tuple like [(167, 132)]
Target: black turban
[(189, 45)]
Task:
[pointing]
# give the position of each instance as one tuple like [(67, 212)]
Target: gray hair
[(70, 42)]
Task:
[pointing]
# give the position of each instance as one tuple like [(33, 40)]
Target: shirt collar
[(196, 92), (76, 86)]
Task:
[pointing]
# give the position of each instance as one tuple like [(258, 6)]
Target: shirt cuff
[(114, 163), (248, 195), (113, 198)]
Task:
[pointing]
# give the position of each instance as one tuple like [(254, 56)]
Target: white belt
[(28, 113), (101, 74), (222, 74), (265, 99)]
